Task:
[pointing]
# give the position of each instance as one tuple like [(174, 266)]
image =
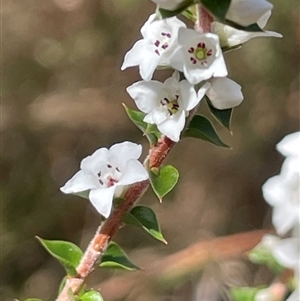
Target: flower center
[(109, 176), (162, 43), (200, 54), (172, 106)]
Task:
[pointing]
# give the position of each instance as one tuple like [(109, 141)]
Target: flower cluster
[(198, 57), (282, 192)]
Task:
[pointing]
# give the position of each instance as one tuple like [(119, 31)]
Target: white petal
[(135, 55), (177, 60), (188, 96), (173, 126), (246, 12), (121, 153), (224, 93), (273, 192), (283, 218), (149, 63), (159, 115), (102, 200), (145, 27), (171, 85), (287, 252), (80, 182), (147, 94), (134, 172), (290, 145), (95, 162)]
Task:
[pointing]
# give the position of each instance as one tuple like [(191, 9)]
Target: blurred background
[(62, 91)]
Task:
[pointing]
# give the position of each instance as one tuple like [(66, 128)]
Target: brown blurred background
[(62, 92)]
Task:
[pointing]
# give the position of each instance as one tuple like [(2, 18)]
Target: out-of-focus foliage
[(62, 91)]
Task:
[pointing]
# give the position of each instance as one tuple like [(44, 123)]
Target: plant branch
[(100, 241), (174, 268)]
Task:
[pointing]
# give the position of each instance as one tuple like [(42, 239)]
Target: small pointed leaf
[(145, 218), (116, 258), (67, 253), (200, 127), (91, 296), (163, 180), (223, 116), (137, 118)]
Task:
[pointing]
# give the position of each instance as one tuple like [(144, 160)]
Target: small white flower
[(104, 174), (283, 193), (158, 43), (198, 56), (168, 4), (230, 36), (224, 93), (290, 145), (247, 12), (167, 104)]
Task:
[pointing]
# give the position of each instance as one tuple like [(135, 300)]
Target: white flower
[(168, 4), (198, 56), (230, 36), (166, 104), (247, 12), (158, 43), (283, 193), (290, 145), (104, 174), (224, 93)]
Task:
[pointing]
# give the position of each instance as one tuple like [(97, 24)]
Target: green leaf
[(251, 28), (244, 293), (91, 296), (137, 118), (145, 218), (67, 253), (163, 180), (116, 258), (200, 127), (223, 116), (217, 8), (164, 13)]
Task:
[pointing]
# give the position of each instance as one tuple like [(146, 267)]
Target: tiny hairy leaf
[(145, 218), (91, 296), (67, 253), (116, 258), (163, 180), (222, 116), (148, 130), (200, 127)]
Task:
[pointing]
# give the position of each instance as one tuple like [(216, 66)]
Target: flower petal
[(80, 182), (189, 98), (173, 126), (102, 200), (290, 145), (94, 162), (134, 172), (287, 252), (246, 12), (135, 55), (121, 153), (146, 94), (224, 93)]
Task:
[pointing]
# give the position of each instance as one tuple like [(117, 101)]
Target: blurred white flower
[(290, 145), (167, 104), (158, 43), (198, 56), (105, 173)]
